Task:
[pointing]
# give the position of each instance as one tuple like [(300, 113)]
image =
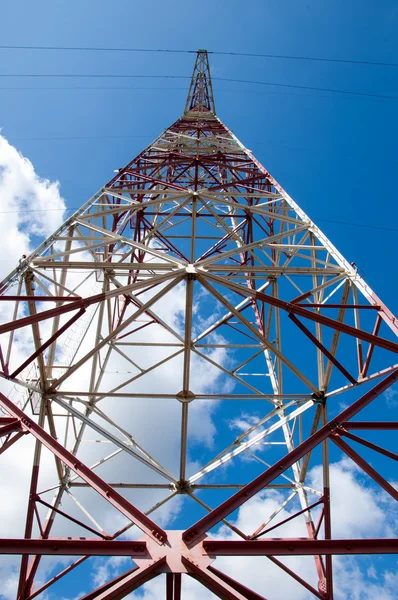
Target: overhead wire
[(230, 80), (213, 52), (96, 49), (97, 88), (309, 58), (140, 88), (307, 87), (94, 76)]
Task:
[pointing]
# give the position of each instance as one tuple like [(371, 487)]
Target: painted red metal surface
[(195, 531), (10, 427), (230, 173), (73, 547), (87, 474), (297, 547)]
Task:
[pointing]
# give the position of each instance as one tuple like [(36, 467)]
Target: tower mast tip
[(200, 95)]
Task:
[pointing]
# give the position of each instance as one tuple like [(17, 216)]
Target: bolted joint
[(191, 272), (319, 399), (183, 487), (322, 587), (189, 535), (333, 425), (158, 535), (185, 397)]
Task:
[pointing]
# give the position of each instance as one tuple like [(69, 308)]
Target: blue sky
[(335, 154)]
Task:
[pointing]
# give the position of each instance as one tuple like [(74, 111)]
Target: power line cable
[(218, 90), (306, 87), (115, 88), (268, 83), (213, 52), (93, 76), (99, 88), (98, 49), (310, 58)]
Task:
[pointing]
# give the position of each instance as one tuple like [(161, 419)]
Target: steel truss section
[(271, 313)]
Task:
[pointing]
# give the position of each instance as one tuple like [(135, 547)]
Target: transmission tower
[(190, 280)]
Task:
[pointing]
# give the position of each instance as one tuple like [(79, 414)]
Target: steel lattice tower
[(271, 311)]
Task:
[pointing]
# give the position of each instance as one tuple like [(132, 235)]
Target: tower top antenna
[(200, 95)]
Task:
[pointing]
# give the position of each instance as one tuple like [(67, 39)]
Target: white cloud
[(110, 568), (391, 396), (244, 423), (23, 191), (351, 582), (357, 510)]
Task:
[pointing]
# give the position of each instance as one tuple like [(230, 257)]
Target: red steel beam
[(328, 322), (371, 347), (312, 316), (193, 534), (320, 519), (108, 584), (365, 306), (177, 586), (173, 586), (299, 547), (59, 310), (375, 447), (70, 518), (214, 583), (364, 466), (94, 481), (42, 298), (322, 348), (6, 420), (52, 312), (11, 441), (73, 547), (370, 425), (296, 577), (258, 533), (57, 577), (2, 363), (48, 343), (12, 425), (242, 589), (169, 586)]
